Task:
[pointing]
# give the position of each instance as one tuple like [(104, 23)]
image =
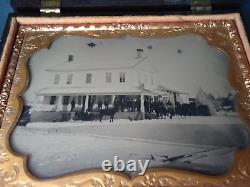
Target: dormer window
[(139, 53), (70, 58)]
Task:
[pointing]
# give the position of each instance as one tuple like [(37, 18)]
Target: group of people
[(151, 105), (126, 104), (122, 104), (129, 104)]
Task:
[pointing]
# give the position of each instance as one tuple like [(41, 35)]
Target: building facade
[(81, 85)]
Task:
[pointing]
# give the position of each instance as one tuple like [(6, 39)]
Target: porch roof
[(125, 90), (91, 91)]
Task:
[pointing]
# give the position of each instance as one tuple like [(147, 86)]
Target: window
[(69, 78), (79, 100), (70, 58), (52, 100), (88, 78), (46, 100), (65, 100), (108, 77), (57, 79), (122, 77)]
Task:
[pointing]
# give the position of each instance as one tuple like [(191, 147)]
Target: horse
[(88, 115), (107, 112)]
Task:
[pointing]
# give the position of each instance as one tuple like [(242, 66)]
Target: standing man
[(99, 103), (106, 104), (138, 104), (116, 104), (73, 104), (90, 104)]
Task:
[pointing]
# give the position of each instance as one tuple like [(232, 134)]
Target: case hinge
[(201, 6), (50, 7)]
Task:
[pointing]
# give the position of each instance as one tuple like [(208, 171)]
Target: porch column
[(113, 100), (86, 103), (175, 99), (59, 103), (69, 104), (81, 104), (142, 104), (76, 100)]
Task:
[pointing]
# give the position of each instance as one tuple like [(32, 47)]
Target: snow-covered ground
[(204, 144)]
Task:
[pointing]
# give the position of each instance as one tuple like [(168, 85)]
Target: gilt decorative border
[(28, 35)]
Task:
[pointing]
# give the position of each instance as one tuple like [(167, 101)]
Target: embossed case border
[(27, 35)]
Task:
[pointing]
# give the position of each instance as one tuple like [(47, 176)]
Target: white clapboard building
[(102, 80)]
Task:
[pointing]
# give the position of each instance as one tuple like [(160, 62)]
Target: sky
[(184, 63)]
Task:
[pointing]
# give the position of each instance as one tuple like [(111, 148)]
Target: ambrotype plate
[(164, 99)]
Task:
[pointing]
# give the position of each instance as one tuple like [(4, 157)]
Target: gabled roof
[(103, 64), (166, 89), (146, 65)]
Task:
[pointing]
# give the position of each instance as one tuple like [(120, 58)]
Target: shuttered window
[(122, 77), (108, 77), (69, 78), (88, 78), (57, 79)]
